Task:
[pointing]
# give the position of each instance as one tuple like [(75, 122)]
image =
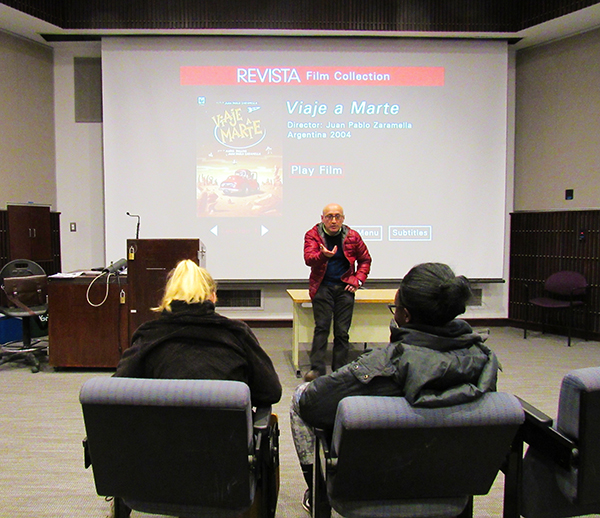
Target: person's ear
[(213, 297), (402, 316)]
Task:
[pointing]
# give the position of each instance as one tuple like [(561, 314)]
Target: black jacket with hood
[(430, 366)]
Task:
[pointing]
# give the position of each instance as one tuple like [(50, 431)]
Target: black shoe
[(306, 503), (311, 375)]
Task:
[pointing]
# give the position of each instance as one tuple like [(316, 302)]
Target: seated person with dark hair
[(433, 360), (191, 341)]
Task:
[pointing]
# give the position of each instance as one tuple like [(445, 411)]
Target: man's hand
[(350, 288), (327, 253)]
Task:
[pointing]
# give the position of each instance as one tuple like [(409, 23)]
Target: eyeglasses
[(392, 308), (334, 216)]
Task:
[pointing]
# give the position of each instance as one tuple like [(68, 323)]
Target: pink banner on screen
[(312, 76)]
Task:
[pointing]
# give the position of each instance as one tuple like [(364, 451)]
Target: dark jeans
[(337, 303)]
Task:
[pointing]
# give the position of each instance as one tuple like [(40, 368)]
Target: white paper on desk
[(71, 275)]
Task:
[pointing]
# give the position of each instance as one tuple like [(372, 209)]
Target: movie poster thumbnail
[(239, 160)]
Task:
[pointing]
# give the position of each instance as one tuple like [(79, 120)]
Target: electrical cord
[(87, 295)]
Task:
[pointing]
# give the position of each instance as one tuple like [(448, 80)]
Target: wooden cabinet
[(30, 232)]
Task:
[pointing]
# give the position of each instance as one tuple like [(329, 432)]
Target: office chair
[(560, 474), (188, 448), (24, 295), (389, 459), (565, 290)]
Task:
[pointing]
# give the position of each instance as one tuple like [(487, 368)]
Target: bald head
[(333, 208), (333, 218)]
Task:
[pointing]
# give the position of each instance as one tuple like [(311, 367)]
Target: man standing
[(339, 264)]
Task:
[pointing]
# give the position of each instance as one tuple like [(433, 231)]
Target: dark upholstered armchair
[(564, 291), (560, 474), (389, 459), (188, 448)]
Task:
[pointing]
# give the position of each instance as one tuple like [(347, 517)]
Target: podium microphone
[(137, 230)]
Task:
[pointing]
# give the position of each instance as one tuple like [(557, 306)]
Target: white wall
[(558, 114), (79, 172), (26, 122)]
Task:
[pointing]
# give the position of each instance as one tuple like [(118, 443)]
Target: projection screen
[(241, 141)]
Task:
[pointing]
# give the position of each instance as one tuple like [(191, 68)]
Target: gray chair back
[(393, 455), (182, 447), (579, 419)]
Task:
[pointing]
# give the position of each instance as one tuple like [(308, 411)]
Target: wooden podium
[(89, 335), (149, 261), (88, 325)]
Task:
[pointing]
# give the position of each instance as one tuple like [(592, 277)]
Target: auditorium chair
[(389, 459), (563, 292), (560, 473), (191, 448)]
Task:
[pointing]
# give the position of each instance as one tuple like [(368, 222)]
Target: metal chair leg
[(320, 501), (570, 326), (468, 510), (120, 510)]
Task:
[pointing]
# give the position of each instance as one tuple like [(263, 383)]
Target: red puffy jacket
[(355, 251)]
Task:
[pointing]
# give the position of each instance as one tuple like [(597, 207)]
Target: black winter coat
[(195, 342), (429, 366)]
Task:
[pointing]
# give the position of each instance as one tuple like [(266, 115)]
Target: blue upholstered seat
[(178, 447), (561, 469), (387, 458)]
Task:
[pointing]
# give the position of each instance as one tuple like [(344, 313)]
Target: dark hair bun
[(433, 294)]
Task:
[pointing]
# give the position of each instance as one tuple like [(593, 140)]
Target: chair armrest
[(534, 416), (537, 431), (261, 418), (321, 507), (260, 429), (324, 438)]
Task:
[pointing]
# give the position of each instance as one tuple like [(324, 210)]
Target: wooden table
[(370, 320)]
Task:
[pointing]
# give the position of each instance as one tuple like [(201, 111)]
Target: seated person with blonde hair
[(189, 340)]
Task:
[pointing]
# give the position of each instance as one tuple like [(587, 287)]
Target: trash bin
[(10, 329)]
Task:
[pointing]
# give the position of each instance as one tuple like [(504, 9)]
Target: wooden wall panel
[(55, 229), (542, 243), (4, 249)]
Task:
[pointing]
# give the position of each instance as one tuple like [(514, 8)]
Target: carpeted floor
[(41, 458)]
